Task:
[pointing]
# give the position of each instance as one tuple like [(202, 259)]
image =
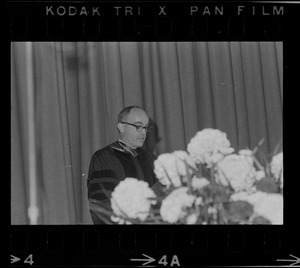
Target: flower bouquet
[(207, 184)]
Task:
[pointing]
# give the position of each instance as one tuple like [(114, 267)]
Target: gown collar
[(123, 147)]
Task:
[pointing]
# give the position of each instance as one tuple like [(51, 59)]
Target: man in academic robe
[(121, 159)]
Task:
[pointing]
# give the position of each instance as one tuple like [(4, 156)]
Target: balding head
[(128, 119)]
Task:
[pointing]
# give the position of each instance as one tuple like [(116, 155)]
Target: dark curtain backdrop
[(79, 89)]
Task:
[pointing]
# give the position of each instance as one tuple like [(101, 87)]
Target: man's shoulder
[(107, 150)]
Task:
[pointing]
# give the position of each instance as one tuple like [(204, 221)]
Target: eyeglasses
[(139, 128)]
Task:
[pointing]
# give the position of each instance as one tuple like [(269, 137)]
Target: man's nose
[(144, 131)]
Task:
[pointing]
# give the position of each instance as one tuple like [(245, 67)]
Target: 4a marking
[(162, 261)]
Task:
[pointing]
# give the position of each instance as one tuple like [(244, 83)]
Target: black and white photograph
[(137, 133)]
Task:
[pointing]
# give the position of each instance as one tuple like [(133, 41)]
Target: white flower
[(192, 219), (170, 167), (268, 205), (197, 183), (215, 158), (209, 146), (131, 199), (212, 210), (245, 152), (198, 201), (119, 220), (260, 175), (174, 205), (277, 167), (238, 170)]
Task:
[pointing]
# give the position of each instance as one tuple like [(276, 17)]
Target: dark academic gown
[(113, 164)]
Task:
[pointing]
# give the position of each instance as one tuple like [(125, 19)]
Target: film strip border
[(85, 246), (81, 246), (149, 20)]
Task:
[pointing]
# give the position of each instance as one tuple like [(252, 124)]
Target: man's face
[(130, 134)]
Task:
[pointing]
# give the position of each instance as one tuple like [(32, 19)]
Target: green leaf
[(198, 172), (238, 211), (267, 185), (278, 148), (220, 193), (260, 220)]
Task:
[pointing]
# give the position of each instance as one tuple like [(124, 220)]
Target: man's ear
[(121, 127)]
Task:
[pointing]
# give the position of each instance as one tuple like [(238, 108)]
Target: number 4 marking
[(29, 260), (163, 260)]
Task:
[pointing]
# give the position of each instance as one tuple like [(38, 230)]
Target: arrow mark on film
[(148, 260), (296, 260), (13, 259)]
